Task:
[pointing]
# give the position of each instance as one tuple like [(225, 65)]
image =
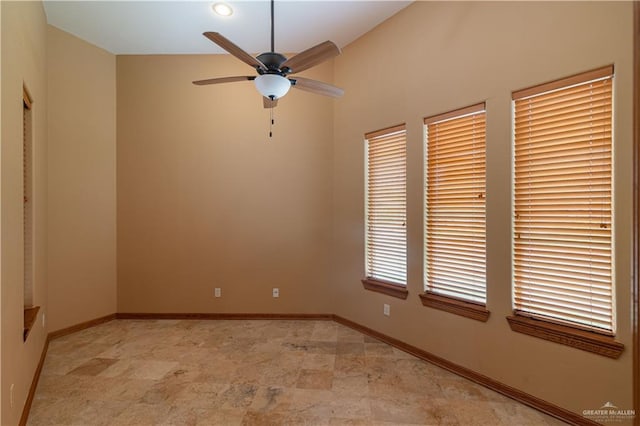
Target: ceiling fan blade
[(222, 80), (311, 57), (236, 51), (317, 87), (268, 103)]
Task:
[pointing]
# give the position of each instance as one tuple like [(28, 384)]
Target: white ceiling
[(176, 27)]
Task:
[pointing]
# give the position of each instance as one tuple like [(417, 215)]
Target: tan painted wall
[(81, 180), (23, 60), (434, 57), (206, 199), (0, 216)]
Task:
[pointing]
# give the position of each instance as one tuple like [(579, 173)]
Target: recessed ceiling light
[(222, 9)]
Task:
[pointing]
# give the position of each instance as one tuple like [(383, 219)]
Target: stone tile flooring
[(191, 372)]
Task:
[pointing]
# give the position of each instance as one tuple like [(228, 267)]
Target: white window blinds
[(562, 199), (455, 204), (386, 205)]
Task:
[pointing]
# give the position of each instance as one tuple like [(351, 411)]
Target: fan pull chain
[(271, 122)]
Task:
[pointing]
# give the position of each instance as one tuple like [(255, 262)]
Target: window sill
[(455, 306), (30, 315), (566, 335), (390, 289)]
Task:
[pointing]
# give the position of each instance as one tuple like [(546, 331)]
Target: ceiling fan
[(274, 69)]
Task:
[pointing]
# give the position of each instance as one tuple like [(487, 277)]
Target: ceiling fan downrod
[(273, 44), (272, 60)]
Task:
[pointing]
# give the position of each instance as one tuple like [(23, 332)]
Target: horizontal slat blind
[(27, 206), (386, 205), (562, 221), (455, 205)]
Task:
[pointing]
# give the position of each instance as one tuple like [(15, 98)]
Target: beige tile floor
[(193, 372)]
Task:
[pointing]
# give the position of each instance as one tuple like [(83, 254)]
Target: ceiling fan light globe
[(272, 86)]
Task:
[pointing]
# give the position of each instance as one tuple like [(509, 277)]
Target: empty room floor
[(258, 372)]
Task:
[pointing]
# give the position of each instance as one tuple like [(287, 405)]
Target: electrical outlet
[(276, 292), (386, 309), (11, 395), (218, 292)]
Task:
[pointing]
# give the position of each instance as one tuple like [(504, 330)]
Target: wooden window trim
[(574, 337), (538, 300), (457, 129), (456, 113), (385, 287), (455, 306), (385, 131), (385, 177), (30, 316), (26, 98), (562, 83), (30, 313)]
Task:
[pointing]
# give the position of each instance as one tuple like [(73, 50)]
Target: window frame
[(30, 311), (575, 335), (456, 305), (371, 282)]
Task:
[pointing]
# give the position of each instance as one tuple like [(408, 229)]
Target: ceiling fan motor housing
[(272, 61)]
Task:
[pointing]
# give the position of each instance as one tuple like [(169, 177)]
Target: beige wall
[(1, 37), (434, 57), (23, 60), (81, 180), (1, 216), (206, 199)]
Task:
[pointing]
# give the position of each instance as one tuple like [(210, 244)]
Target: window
[(562, 205), (454, 234), (27, 201), (386, 206), (30, 312)]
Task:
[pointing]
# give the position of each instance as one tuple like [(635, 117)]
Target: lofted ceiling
[(176, 27)]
